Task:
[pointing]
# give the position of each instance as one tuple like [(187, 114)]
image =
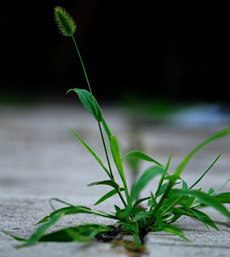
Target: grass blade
[(108, 195), (105, 182), (205, 172), (172, 229), (66, 211), (221, 186), (148, 175), (141, 156), (41, 230), (203, 217), (106, 128), (82, 233), (92, 152), (89, 102), (204, 198), (207, 141), (223, 197), (117, 160)]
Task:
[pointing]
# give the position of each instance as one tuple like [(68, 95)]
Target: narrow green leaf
[(184, 185), (190, 201), (142, 215), (172, 229), (89, 102), (128, 212), (146, 177), (117, 208), (108, 195), (117, 160), (58, 236), (105, 182), (222, 186), (158, 213), (205, 172), (66, 211), (223, 197), (13, 236), (181, 211), (92, 152), (207, 141), (141, 156), (163, 188), (203, 198), (203, 217), (106, 128), (140, 201), (211, 191), (116, 156), (158, 193), (41, 230), (86, 233), (82, 233)]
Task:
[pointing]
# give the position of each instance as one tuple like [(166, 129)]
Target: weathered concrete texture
[(40, 158)]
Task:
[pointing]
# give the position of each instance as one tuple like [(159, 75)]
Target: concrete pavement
[(40, 158)]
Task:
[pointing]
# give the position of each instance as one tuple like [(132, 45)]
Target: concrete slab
[(40, 159)]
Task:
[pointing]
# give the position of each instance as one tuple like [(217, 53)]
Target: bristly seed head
[(64, 21)]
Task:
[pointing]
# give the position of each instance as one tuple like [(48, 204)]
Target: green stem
[(102, 137), (86, 77), (110, 169), (82, 64), (105, 148)]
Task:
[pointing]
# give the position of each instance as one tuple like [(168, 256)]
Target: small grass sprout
[(173, 198)]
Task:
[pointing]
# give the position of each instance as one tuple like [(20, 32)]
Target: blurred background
[(130, 50), (156, 69)]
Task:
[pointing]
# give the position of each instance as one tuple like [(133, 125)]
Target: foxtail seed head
[(64, 21)]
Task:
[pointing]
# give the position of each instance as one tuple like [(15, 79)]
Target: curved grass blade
[(13, 236), (106, 128), (82, 233), (172, 229), (203, 217), (66, 211), (141, 156), (108, 195), (89, 102), (105, 182), (58, 200), (92, 152), (128, 212), (204, 198), (163, 176), (205, 172), (223, 197), (75, 210), (146, 177), (41, 230), (117, 160), (207, 141), (141, 200), (221, 187)]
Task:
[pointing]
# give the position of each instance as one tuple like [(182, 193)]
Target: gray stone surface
[(40, 158)]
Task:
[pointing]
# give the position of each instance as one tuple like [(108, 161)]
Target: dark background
[(128, 48)]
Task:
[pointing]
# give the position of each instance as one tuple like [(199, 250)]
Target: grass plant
[(135, 216)]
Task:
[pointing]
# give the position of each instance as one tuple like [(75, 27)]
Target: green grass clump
[(135, 216)]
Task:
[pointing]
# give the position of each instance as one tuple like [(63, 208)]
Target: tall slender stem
[(82, 64), (105, 148), (99, 124), (110, 169), (86, 77)]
